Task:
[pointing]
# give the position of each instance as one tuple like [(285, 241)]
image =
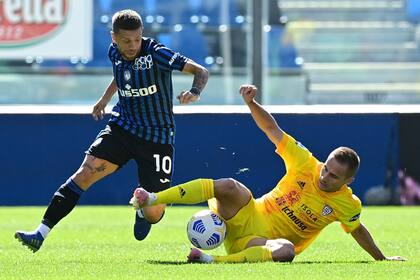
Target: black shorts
[(154, 161)]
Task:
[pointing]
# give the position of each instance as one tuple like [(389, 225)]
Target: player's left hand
[(98, 111), (396, 258), (186, 97)]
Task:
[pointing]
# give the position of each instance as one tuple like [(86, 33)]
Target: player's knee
[(284, 251), (226, 187)]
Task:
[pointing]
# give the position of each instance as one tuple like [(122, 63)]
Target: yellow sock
[(251, 254), (192, 192)]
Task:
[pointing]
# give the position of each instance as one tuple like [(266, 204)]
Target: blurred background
[(323, 51), (302, 54)]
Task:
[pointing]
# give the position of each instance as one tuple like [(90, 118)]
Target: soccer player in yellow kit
[(285, 221)]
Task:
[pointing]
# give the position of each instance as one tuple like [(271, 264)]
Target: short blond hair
[(349, 157)]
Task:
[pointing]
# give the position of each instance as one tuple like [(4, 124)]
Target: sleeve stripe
[(165, 51)]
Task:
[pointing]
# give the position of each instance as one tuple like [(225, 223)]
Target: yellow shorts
[(250, 222)]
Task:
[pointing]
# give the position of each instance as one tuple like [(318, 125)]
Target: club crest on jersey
[(326, 210), (127, 75), (143, 62)]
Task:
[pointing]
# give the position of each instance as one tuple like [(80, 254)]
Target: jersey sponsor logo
[(354, 218), (309, 212), (290, 213), (172, 60), (289, 198), (127, 75), (143, 62), (301, 184), (326, 210), (24, 22), (137, 92)]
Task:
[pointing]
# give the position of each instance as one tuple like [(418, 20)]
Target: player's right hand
[(98, 111), (187, 97), (248, 93)]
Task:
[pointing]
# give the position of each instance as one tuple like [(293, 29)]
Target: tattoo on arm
[(200, 79)]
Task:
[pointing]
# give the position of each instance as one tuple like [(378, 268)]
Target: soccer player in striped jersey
[(141, 126), (285, 221)]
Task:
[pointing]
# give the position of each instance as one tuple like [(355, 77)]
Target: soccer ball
[(206, 230)]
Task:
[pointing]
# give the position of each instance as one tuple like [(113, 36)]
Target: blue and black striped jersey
[(145, 91)]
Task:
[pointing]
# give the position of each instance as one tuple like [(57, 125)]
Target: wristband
[(195, 91)]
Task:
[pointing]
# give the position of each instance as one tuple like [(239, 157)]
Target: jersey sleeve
[(293, 152), (350, 216), (167, 58)]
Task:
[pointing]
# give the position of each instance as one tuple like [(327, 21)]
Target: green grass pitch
[(97, 243)]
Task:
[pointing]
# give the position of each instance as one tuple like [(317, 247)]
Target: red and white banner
[(56, 29)]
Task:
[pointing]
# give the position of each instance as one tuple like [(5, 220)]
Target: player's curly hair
[(349, 157), (127, 20)]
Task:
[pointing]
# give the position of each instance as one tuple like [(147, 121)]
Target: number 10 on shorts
[(164, 163)]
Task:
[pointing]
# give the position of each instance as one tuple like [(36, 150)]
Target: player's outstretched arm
[(98, 111), (201, 75), (263, 119), (365, 240)]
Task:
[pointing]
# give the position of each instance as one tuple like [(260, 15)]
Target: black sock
[(63, 201)]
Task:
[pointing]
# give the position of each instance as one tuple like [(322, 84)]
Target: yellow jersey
[(297, 208)]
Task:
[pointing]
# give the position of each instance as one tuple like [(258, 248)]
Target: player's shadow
[(294, 263), (168, 262), (329, 262)]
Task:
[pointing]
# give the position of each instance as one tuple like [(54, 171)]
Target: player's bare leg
[(92, 170), (231, 196), (154, 213)]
